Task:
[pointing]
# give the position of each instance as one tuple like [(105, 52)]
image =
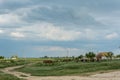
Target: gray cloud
[(73, 24), (59, 16)]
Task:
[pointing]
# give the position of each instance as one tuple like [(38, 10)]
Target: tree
[(45, 56), (118, 56), (2, 57), (90, 55), (110, 55), (81, 56)]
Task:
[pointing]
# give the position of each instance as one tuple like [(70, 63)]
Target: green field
[(36, 67), (8, 63), (70, 68), (4, 76)]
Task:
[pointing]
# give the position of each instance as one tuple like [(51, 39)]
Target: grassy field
[(8, 63), (70, 68), (4, 76)]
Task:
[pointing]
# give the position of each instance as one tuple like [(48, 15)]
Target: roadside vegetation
[(4, 76), (70, 68), (83, 65), (8, 63)]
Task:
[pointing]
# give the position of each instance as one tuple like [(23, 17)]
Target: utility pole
[(68, 52)]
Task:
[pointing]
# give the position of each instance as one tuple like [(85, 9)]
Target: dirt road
[(105, 76)]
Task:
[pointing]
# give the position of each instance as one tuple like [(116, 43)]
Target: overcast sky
[(34, 28)]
